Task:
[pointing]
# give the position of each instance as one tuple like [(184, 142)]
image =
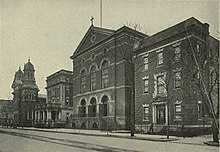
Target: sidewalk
[(157, 138)]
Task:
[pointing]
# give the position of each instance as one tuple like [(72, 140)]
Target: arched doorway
[(104, 105), (73, 125), (92, 107), (82, 108), (94, 126), (83, 126)]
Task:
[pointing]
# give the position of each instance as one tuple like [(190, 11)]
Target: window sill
[(145, 93), (158, 66), (145, 70), (145, 120), (176, 61), (177, 119), (177, 88)]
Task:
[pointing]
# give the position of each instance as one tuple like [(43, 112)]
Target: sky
[(48, 31)]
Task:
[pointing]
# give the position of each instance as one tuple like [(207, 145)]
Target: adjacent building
[(59, 104), (175, 65), (25, 95), (6, 112)]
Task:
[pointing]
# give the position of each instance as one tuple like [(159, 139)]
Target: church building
[(102, 74), (25, 95)]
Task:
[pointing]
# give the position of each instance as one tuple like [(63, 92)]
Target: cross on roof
[(92, 18)]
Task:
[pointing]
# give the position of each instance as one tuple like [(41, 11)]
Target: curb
[(212, 143), (101, 135)]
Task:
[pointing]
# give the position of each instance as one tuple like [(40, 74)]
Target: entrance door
[(161, 115)]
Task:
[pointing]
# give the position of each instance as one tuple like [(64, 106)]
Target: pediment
[(92, 37)]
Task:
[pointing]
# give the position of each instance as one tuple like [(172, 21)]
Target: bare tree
[(127, 52), (204, 66)]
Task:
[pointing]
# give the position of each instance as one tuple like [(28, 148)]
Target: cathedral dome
[(19, 73), (28, 66)]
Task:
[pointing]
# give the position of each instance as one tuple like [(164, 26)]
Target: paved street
[(10, 143), (27, 140)]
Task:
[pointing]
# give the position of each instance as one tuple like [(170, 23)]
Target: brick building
[(103, 94), (7, 109), (168, 82), (59, 105)]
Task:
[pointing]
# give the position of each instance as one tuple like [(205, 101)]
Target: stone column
[(154, 113), (87, 110), (48, 114), (97, 110), (43, 115), (38, 115), (59, 115)]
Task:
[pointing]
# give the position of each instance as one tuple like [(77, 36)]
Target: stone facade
[(167, 80), (25, 95), (58, 107), (102, 97)]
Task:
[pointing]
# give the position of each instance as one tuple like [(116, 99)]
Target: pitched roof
[(92, 29)]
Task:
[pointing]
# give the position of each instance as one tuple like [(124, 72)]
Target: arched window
[(105, 74), (82, 108), (93, 78), (104, 106), (92, 107), (83, 80)]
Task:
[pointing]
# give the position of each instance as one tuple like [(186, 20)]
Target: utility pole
[(100, 13)]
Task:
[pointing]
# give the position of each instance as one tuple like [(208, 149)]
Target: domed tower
[(18, 79), (17, 93), (29, 78), (29, 93), (29, 71)]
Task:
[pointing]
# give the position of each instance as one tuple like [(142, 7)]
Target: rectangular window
[(67, 116), (58, 92), (200, 110), (67, 102), (49, 95), (83, 83), (67, 91), (198, 48), (177, 53), (177, 79), (160, 58), (93, 81), (178, 110), (146, 113), (145, 63), (146, 86), (30, 114), (53, 92), (105, 77), (160, 84)]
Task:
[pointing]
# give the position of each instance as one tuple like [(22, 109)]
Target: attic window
[(93, 38), (93, 56), (105, 51), (83, 61)]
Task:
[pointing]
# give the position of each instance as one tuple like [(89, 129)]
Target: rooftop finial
[(29, 59), (92, 18)]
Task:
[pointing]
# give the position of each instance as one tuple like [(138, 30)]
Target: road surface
[(32, 140), (10, 143)]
